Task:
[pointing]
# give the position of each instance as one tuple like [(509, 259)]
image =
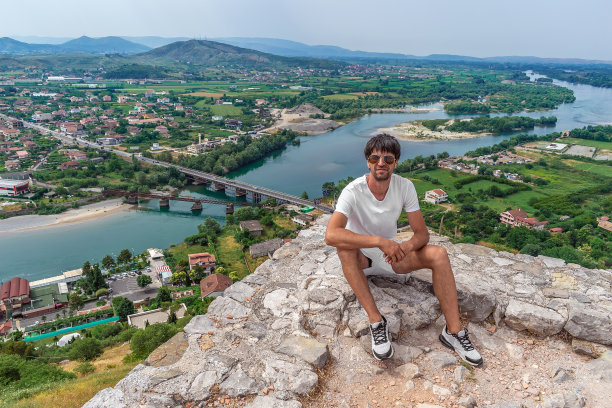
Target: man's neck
[(378, 187)]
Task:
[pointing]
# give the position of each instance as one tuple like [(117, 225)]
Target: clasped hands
[(393, 251)]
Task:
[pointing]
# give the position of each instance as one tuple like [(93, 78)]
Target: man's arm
[(421, 235), (338, 236)]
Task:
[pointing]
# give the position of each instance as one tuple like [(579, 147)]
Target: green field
[(587, 142), (599, 169), (226, 110), (340, 97)]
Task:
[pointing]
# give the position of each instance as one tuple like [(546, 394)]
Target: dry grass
[(109, 370)]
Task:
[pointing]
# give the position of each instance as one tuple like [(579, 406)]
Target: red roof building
[(204, 259), (15, 292), (518, 218), (215, 283)]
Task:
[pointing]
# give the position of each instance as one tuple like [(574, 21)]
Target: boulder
[(536, 319)]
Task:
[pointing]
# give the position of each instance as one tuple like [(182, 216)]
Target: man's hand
[(392, 250)]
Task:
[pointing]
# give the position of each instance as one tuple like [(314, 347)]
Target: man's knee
[(435, 255), (353, 256)]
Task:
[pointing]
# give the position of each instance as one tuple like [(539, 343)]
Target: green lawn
[(599, 169), (588, 142), (226, 110), (340, 97)]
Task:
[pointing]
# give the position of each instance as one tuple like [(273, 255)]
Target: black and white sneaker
[(381, 341), (462, 345)]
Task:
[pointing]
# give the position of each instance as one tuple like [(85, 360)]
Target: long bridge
[(164, 199), (217, 183)]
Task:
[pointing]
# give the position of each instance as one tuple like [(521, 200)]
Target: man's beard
[(381, 178)]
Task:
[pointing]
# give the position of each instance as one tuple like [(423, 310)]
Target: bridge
[(164, 200), (217, 183)]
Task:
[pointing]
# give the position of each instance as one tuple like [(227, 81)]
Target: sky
[(479, 28)]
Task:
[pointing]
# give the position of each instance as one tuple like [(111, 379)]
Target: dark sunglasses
[(388, 158)]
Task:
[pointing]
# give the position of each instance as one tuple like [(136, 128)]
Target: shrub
[(145, 341), (85, 349), (85, 368)]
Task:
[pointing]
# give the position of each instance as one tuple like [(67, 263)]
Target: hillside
[(103, 45), (211, 53), (292, 334)]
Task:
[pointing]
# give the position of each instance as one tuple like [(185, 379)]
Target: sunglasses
[(388, 158)]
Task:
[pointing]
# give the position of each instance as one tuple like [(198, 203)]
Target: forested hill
[(210, 53)]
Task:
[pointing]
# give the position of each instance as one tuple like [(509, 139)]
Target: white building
[(436, 196)]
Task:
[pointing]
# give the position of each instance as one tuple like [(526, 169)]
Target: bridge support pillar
[(218, 186), (132, 199), (197, 206), (229, 209), (240, 192), (164, 202)]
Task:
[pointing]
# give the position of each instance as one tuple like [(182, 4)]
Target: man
[(362, 229)]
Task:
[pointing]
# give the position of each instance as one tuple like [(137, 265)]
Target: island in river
[(416, 131)]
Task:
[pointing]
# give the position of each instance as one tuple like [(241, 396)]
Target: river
[(40, 253)]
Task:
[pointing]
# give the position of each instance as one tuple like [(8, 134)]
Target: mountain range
[(269, 46)]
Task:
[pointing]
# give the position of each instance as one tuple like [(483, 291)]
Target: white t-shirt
[(368, 216)]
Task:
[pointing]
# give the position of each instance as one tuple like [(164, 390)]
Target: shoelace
[(464, 340), (380, 334)]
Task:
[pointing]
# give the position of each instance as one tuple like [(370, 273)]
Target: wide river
[(40, 253)]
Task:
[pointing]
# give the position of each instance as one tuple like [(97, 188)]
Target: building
[(181, 294), (518, 218), (15, 293), (253, 226), (203, 259), (107, 141), (214, 285), (303, 219), (14, 187), (436, 196), (604, 222), (265, 248)]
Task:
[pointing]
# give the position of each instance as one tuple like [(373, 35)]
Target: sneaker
[(462, 345), (381, 341)]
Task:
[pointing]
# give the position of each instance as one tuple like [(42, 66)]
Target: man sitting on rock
[(362, 229)]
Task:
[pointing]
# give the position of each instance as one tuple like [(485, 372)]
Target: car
[(139, 273)]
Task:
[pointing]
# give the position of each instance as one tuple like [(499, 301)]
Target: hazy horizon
[(477, 28)]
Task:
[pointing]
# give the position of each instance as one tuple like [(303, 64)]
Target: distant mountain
[(288, 48), (211, 53), (104, 45), (153, 41), (34, 39)]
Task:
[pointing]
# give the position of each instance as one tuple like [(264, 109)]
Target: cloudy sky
[(480, 28)]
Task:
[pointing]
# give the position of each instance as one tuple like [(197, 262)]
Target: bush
[(85, 368), (85, 349), (101, 292), (145, 341)]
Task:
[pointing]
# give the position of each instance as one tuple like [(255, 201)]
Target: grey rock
[(280, 302), (238, 383), (307, 349), (476, 299), (225, 306), (589, 324), (409, 371), (406, 354), (555, 293), (409, 385), (239, 291), (200, 324), (324, 296), (580, 297), (587, 348), (108, 397), (256, 330), (165, 376), (502, 261), (200, 387), (271, 402), (288, 378), (515, 352), (441, 391), (467, 401), (539, 320), (554, 401), (562, 376), (428, 406), (358, 323), (460, 373), (441, 359), (551, 262), (574, 400), (255, 279), (413, 317)]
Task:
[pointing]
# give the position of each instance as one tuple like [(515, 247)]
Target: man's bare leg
[(435, 258), (353, 263)]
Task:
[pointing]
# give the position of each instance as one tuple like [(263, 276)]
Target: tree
[(108, 262), (163, 295), (124, 256), (85, 349), (197, 273), (101, 292), (143, 342), (97, 280), (75, 302), (123, 307), (304, 195), (172, 317), (144, 280)]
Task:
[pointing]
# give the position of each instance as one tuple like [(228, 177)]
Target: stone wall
[(262, 344)]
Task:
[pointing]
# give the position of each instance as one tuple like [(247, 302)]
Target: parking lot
[(124, 284)]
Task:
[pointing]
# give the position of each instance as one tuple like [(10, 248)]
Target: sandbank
[(414, 131), (85, 213)]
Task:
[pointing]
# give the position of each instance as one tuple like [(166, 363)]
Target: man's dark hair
[(384, 143)]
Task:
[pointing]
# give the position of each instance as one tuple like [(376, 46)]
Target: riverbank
[(85, 213), (415, 131)]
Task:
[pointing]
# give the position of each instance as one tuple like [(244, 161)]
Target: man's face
[(381, 170)]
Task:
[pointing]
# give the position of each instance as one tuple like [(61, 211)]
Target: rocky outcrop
[(265, 340)]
